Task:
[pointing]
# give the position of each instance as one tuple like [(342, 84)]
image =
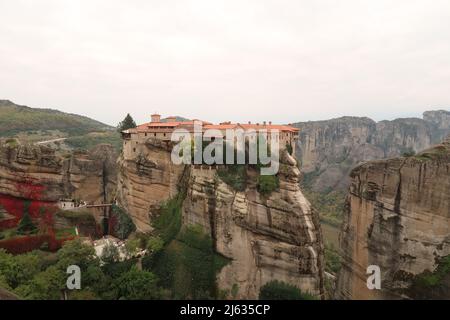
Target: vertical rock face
[(88, 176), (328, 150), (276, 237), (266, 238), (146, 180), (398, 218)]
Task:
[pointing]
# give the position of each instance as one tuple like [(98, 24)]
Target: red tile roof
[(146, 127)]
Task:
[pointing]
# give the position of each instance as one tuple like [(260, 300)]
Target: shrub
[(234, 175), (277, 290), (110, 253), (138, 285), (408, 152), (267, 184)]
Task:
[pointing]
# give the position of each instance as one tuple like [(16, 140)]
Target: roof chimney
[(270, 122), (156, 117), (249, 122), (264, 123)]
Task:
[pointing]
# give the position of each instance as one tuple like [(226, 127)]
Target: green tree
[(26, 225), (76, 252), (277, 290), (138, 285), (267, 184), (28, 265), (155, 244), (110, 253), (47, 285), (127, 123), (9, 270)]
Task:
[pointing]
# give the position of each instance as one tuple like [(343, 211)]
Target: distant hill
[(16, 118), (177, 118), (39, 125), (329, 149)]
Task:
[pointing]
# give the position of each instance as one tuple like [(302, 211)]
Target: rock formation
[(146, 180), (397, 217), (266, 238), (36, 172), (328, 150)]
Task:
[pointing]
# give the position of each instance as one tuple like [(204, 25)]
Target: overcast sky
[(280, 60)]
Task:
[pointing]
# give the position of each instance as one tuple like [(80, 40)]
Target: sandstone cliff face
[(146, 180), (24, 168), (328, 150), (266, 238), (273, 238), (397, 217)]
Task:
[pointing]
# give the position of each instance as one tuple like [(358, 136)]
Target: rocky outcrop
[(276, 237), (266, 238), (146, 180), (397, 217), (328, 150), (37, 172)]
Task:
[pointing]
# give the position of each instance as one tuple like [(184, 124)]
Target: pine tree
[(127, 123), (26, 225)]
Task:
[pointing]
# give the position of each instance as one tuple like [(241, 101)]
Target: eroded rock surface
[(330, 149), (276, 237), (398, 218), (37, 173), (146, 180)]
